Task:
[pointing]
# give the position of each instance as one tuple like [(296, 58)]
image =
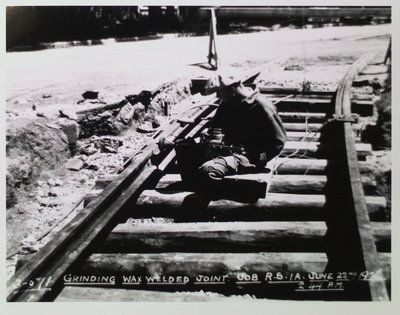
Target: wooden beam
[(361, 107), (302, 136), (192, 206), (315, 149), (194, 264), (312, 166), (298, 184), (308, 184), (300, 116), (288, 91), (302, 127), (224, 237), (383, 236), (94, 294)]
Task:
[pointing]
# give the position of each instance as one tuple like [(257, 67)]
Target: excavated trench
[(77, 139)]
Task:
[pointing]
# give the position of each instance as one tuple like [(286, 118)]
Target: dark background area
[(27, 26)]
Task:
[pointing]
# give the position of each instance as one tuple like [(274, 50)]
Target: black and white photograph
[(198, 153)]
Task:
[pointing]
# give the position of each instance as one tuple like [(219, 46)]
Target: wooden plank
[(218, 237), (308, 184), (295, 184), (302, 136), (311, 166), (385, 260), (287, 91), (93, 294), (193, 265), (315, 149), (190, 206), (301, 116), (302, 127), (362, 107), (383, 236), (302, 100), (211, 264)]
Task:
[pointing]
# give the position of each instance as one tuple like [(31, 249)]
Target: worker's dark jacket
[(252, 123)]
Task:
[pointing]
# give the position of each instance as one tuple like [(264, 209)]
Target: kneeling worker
[(245, 133)]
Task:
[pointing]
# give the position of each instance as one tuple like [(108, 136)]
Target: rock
[(52, 193), (88, 150), (145, 127), (31, 248), (54, 126), (59, 182), (71, 129), (34, 106), (74, 164), (126, 113), (105, 115), (82, 157), (139, 110), (90, 95), (21, 101), (51, 182), (91, 166), (41, 193), (40, 114), (106, 144), (109, 149), (41, 183), (91, 117), (47, 203), (158, 121), (294, 68), (115, 127), (68, 113), (29, 240), (144, 97)]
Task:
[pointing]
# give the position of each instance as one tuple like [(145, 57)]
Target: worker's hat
[(220, 82)]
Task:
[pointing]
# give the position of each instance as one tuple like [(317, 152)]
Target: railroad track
[(319, 233)]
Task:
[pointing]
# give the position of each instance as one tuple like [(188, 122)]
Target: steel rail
[(56, 252), (378, 291)]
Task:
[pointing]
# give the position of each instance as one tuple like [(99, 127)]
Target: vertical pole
[(388, 52), (212, 49)]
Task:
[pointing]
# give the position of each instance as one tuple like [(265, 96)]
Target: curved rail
[(367, 244)]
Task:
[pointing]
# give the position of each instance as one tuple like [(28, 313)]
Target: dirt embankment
[(32, 146), (42, 144)]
